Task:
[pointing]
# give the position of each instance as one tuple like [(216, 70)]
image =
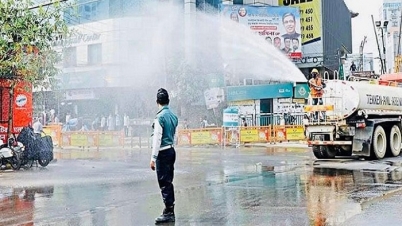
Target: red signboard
[(21, 106)]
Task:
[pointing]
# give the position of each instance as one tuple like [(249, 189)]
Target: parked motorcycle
[(11, 153), (37, 148)]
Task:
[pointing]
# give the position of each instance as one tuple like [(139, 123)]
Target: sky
[(362, 25)]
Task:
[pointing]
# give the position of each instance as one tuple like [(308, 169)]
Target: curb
[(370, 200)]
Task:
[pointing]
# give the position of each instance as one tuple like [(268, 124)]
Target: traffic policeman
[(163, 153)]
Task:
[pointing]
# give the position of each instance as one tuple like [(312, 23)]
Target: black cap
[(162, 97)]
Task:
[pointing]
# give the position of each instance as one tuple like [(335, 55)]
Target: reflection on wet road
[(250, 186)]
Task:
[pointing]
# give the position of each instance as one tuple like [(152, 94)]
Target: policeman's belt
[(166, 147)]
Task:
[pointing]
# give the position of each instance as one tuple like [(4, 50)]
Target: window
[(87, 11), (70, 57), (95, 54)]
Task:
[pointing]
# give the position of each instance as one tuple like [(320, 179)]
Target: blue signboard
[(236, 93), (301, 91), (231, 117)]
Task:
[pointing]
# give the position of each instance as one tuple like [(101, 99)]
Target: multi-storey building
[(389, 35), (104, 66)]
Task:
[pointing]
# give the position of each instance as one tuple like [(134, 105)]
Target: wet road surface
[(247, 186)]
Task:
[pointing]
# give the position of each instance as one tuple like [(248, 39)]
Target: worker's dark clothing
[(164, 171), (163, 152)]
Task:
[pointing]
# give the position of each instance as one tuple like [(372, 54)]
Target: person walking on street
[(163, 154)]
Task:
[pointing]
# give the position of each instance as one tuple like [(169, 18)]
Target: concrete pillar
[(189, 25)]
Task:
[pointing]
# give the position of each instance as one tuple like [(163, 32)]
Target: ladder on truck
[(327, 112)]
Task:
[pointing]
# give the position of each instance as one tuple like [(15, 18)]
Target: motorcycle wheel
[(28, 164), (43, 162), (15, 162)]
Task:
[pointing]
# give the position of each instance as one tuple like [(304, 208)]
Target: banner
[(278, 25), (251, 135), (213, 97), (205, 137), (295, 133), (311, 31), (310, 19)]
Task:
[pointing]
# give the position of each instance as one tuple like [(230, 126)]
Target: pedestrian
[(163, 154), (103, 123), (185, 124), (126, 123), (243, 122), (353, 67), (111, 123), (118, 122), (38, 127)]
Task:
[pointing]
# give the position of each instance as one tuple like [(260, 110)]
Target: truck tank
[(347, 97)]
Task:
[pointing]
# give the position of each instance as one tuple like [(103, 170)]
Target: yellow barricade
[(255, 134), (240, 135), (200, 136), (92, 139), (312, 108), (295, 133), (53, 130)]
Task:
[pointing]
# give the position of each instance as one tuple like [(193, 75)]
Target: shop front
[(255, 102)]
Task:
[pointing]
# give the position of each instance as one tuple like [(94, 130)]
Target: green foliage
[(188, 81), (26, 40)]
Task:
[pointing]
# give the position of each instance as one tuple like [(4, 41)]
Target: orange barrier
[(200, 136), (295, 133), (240, 135), (231, 136), (312, 108), (53, 130), (92, 139), (255, 134), (278, 133)]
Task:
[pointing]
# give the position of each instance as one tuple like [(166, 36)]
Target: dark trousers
[(165, 172), (126, 131), (318, 101)]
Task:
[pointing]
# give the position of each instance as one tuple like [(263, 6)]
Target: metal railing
[(280, 119)]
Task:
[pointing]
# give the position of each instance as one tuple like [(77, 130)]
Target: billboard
[(278, 25), (21, 107), (392, 12), (311, 30)]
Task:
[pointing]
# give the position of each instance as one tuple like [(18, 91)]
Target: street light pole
[(378, 44), (383, 50), (382, 25)]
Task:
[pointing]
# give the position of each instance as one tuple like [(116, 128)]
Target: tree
[(26, 44), (187, 82)]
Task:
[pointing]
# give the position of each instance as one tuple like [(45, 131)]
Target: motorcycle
[(37, 148), (11, 153)]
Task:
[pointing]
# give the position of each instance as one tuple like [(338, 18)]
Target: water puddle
[(17, 205), (329, 196)]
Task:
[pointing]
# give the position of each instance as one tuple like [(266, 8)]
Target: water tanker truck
[(359, 119)]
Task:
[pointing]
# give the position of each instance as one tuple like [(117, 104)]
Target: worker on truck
[(316, 89)]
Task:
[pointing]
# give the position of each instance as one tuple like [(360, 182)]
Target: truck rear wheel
[(395, 140), (330, 152), (317, 151), (379, 147)]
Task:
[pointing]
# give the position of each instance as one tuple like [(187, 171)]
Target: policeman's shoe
[(167, 216)]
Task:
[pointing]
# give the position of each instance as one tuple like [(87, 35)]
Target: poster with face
[(279, 26)]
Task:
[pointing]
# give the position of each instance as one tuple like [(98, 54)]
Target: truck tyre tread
[(394, 141), (379, 145), (329, 152), (318, 153)]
